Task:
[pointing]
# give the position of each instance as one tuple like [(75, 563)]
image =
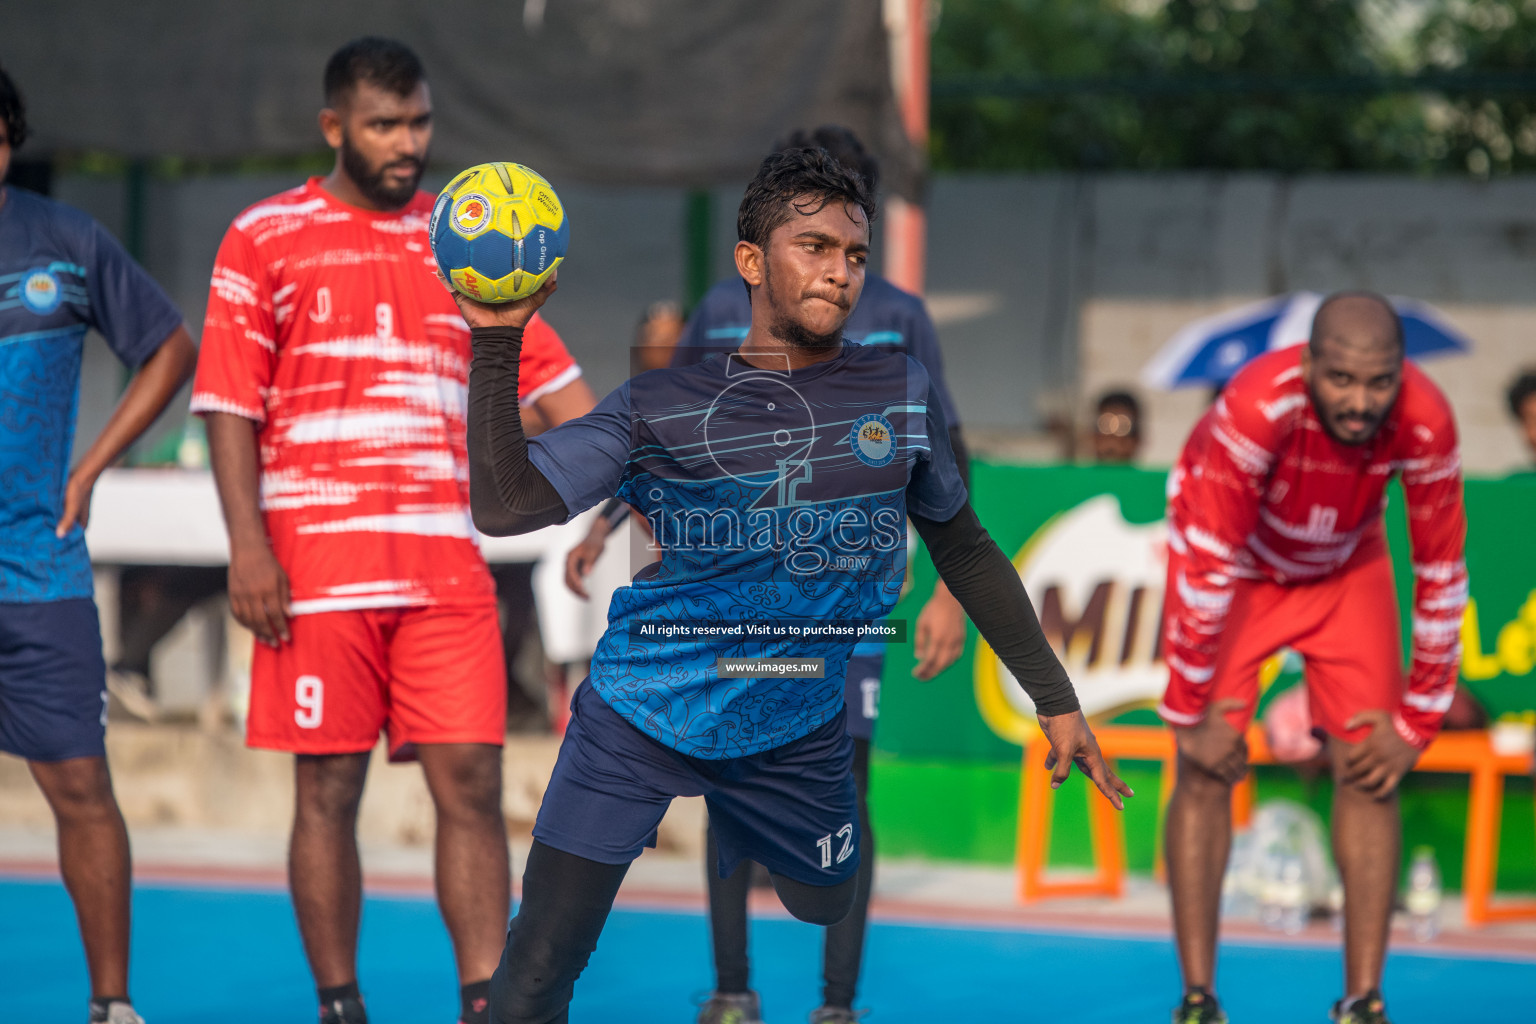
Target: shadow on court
[(233, 955)]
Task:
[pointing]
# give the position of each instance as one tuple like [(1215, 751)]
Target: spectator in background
[(61, 274), (1116, 428), (1522, 406), (152, 600), (656, 335)]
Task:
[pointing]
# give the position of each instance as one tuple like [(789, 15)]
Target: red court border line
[(893, 911)]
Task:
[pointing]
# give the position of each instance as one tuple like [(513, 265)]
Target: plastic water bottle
[(1283, 906), (1336, 907), (1292, 896), (192, 452), (1422, 900)]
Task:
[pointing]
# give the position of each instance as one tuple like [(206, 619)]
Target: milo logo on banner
[(1096, 582)]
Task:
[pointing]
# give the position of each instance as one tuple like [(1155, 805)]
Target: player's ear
[(749, 263), (331, 127)]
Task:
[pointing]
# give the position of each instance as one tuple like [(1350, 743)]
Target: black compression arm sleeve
[(962, 456), (507, 493), (988, 588)]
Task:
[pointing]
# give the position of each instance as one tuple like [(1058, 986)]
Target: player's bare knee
[(80, 788), (329, 789), (1195, 781), (466, 783)]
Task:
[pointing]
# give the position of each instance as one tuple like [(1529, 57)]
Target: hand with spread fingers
[(501, 314), (1213, 745), (1378, 763), (1072, 743)]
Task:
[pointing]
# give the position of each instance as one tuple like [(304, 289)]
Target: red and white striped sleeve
[(1437, 528), (239, 345), (546, 365), (1214, 495)]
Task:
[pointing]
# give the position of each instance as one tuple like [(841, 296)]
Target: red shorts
[(1345, 627), (426, 675)]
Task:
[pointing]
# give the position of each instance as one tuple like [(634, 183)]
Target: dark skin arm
[(573, 400), (147, 395), (258, 587)]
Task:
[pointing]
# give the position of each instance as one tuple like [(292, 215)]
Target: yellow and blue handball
[(498, 232)]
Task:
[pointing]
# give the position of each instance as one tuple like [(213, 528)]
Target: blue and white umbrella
[(1210, 350)]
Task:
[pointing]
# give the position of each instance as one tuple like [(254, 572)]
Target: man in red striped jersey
[(1276, 540), (334, 376)]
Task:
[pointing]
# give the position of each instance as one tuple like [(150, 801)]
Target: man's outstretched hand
[(501, 314), (1072, 743)]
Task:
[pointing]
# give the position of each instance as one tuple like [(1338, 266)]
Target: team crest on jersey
[(40, 292), (873, 440), (471, 214)]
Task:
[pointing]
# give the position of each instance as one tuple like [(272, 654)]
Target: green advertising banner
[(1089, 544)]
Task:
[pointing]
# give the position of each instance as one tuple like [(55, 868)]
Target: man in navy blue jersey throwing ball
[(895, 321), (777, 480)]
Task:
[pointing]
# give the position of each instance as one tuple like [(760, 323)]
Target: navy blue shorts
[(862, 694), (53, 697), (793, 809)]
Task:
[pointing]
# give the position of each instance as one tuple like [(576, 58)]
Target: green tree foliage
[(1288, 85), (1483, 132)]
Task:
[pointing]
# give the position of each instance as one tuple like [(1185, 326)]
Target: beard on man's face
[(792, 332), (370, 181)]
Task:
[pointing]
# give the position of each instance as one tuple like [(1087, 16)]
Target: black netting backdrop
[(642, 92)]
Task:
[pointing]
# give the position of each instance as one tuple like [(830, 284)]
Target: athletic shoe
[(1199, 1007), (114, 1013), (836, 1015), (344, 1011), (130, 691), (732, 1008), (1368, 1009)]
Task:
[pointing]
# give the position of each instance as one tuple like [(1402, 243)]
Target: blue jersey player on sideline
[(61, 274), (778, 480), (893, 320)]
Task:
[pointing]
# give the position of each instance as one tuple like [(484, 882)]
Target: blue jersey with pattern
[(776, 496), (886, 316), (61, 273)]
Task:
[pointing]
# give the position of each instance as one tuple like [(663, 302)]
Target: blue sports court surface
[(233, 955)]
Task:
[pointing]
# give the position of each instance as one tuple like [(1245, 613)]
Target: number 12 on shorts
[(309, 694), (825, 843)]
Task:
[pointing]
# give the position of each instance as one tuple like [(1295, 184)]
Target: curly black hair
[(12, 111), (844, 146), (1520, 391), (803, 181)]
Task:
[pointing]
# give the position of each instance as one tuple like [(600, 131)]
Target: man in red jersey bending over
[(334, 376), (1275, 540)]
